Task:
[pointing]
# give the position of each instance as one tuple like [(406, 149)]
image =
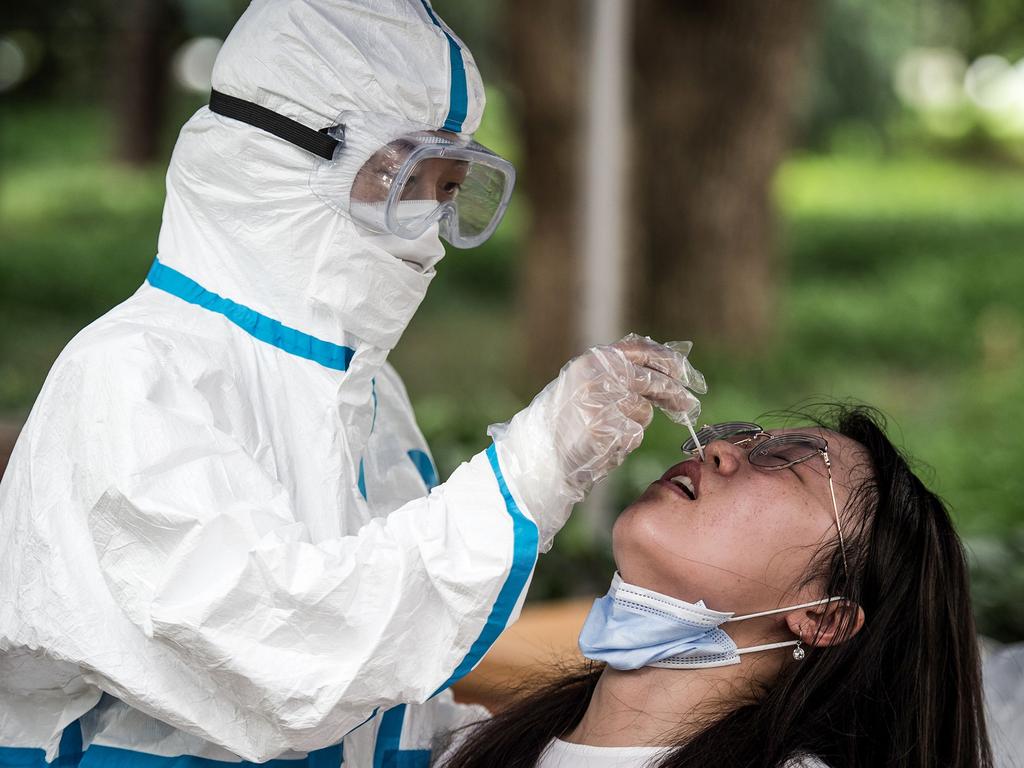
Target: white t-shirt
[(564, 754)]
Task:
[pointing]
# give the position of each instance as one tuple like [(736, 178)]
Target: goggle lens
[(426, 178), (474, 193)]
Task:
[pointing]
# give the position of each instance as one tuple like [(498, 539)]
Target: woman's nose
[(726, 457)]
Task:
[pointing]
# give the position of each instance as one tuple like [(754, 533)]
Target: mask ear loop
[(787, 609), (798, 651)]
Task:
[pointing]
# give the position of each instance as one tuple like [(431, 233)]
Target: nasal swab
[(689, 426), (683, 415)]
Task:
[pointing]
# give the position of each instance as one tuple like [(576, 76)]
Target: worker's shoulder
[(134, 338)]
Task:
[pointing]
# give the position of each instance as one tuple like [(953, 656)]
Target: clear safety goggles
[(394, 176), (427, 177)]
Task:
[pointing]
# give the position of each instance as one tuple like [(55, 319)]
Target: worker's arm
[(298, 642), (201, 549)]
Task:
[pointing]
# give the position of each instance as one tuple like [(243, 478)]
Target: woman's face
[(746, 542)]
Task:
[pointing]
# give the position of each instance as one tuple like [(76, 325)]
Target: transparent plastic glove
[(584, 423)]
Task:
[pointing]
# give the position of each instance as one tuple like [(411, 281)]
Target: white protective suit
[(209, 544), (217, 538)]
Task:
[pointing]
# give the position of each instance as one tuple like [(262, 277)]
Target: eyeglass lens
[(777, 451), (732, 431), (786, 450)]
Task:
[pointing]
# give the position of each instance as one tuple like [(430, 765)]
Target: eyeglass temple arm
[(835, 509)]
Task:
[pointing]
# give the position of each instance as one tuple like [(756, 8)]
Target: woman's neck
[(654, 706)]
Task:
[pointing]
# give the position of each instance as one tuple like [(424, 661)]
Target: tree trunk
[(140, 62), (714, 89), (545, 58)]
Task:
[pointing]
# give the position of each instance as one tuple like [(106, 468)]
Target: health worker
[(223, 537)]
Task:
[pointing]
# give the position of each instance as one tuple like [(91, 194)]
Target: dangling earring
[(798, 651)]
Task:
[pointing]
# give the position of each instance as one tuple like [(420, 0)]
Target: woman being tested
[(220, 538), (795, 599)]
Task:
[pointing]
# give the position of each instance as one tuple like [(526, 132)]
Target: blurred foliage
[(997, 568), (902, 277), (851, 101), (849, 71), (849, 93), (903, 284), (995, 27)]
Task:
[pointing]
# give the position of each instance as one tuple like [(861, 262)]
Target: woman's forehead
[(810, 429)]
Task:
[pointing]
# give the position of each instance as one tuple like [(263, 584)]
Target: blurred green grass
[(902, 285)]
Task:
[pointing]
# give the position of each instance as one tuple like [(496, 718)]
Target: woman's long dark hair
[(904, 692)]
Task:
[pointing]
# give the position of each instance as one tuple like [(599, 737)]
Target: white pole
[(604, 199)]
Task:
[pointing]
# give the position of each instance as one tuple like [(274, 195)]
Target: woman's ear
[(827, 624)]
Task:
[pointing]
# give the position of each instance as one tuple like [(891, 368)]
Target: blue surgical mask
[(632, 627)]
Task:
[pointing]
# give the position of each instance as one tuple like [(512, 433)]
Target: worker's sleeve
[(200, 546)]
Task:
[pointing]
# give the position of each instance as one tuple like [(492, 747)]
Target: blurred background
[(828, 197)]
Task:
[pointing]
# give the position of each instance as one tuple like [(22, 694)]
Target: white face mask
[(632, 627), (421, 253)]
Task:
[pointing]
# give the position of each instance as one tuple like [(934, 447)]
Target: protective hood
[(240, 218)]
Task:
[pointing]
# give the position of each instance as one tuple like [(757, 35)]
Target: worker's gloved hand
[(584, 423)]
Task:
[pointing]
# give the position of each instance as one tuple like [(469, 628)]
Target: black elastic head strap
[(317, 142)]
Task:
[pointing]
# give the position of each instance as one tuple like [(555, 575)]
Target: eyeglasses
[(772, 452)]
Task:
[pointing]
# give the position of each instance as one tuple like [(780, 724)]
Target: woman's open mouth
[(684, 479)]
